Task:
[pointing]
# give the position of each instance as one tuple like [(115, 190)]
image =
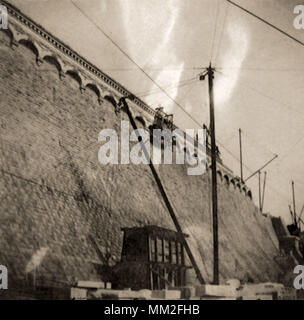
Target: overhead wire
[(214, 30), (259, 69), (157, 85), (152, 69), (134, 62), (221, 35), (181, 83), (161, 89), (266, 22), (264, 146), (265, 95)]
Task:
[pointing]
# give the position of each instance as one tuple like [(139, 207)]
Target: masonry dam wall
[(61, 211)]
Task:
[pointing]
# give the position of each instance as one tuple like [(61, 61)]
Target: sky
[(258, 82)]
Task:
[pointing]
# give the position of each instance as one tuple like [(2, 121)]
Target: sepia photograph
[(151, 150)]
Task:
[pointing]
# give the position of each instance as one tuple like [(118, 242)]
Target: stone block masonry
[(56, 197)]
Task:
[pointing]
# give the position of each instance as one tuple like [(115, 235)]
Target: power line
[(249, 169), (191, 87), (135, 63), (170, 87), (259, 69), (190, 84), (290, 149), (266, 95), (266, 22), (221, 36), (149, 77), (257, 142), (214, 30), (188, 91), (151, 69)]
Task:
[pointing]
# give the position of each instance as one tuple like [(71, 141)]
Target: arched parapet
[(110, 98), (52, 59), (16, 35), (220, 174), (104, 91), (43, 51), (21, 27), (106, 94), (237, 183), (226, 179), (249, 194), (31, 44), (57, 62), (38, 50), (233, 183), (76, 75), (244, 190), (86, 81), (94, 87)]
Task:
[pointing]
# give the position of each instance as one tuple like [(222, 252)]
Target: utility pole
[(291, 213), (294, 205), (241, 155), (299, 218), (263, 195), (260, 202), (210, 73)]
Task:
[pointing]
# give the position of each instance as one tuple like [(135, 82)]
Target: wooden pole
[(260, 202), (264, 185), (241, 155), (210, 73), (291, 213), (294, 205)]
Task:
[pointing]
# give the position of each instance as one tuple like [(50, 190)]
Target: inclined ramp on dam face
[(56, 197)]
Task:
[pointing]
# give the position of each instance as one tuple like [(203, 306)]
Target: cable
[(258, 142), (259, 69), (266, 22), (229, 138), (221, 36), (265, 95), (189, 90), (235, 157), (190, 84), (148, 76), (171, 88), (135, 63), (151, 69), (291, 148), (214, 30), (180, 84)]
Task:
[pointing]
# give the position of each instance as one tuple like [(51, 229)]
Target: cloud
[(150, 28), (233, 58)]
